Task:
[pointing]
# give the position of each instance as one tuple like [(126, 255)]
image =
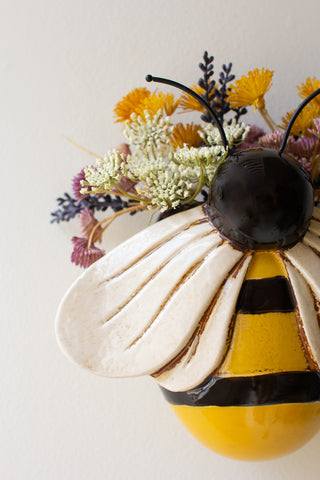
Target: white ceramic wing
[(134, 310), (303, 270), (204, 352)]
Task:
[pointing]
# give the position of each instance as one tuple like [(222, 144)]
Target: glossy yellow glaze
[(265, 343), (260, 344), (266, 265), (252, 433)]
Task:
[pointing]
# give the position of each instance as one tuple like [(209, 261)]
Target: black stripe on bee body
[(266, 295), (268, 389)]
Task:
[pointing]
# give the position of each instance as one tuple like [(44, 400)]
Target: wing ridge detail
[(316, 213), (144, 242), (314, 227), (313, 241), (307, 262), (179, 294), (307, 309), (204, 353), (123, 288)]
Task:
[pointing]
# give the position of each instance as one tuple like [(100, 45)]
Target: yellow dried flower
[(190, 104), (186, 134), (250, 89), (158, 101), (307, 88), (140, 100), (170, 105), (130, 103), (303, 122)]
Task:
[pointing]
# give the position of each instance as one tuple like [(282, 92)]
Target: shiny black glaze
[(268, 389), (265, 295), (259, 199)]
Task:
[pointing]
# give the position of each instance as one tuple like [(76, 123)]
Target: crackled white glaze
[(205, 351), (135, 309), (307, 262), (307, 311), (316, 213)]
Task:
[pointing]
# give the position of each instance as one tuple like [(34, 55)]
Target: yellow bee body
[(252, 433)]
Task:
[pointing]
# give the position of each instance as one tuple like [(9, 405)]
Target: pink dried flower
[(304, 147), (87, 222), (84, 255), (316, 129), (273, 140), (76, 186), (301, 150), (305, 163)]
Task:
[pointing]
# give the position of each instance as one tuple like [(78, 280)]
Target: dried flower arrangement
[(167, 165)]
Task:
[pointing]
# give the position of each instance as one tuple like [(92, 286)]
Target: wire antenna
[(172, 83), (294, 117)]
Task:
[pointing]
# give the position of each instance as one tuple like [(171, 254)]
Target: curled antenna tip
[(149, 78)]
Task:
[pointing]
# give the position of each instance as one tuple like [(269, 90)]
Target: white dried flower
[(149, 133), (235, 133), (105, 175), (203, 161), (167, 187), (164, 177)]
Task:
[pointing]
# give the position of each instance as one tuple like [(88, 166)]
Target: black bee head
[(260, 199)]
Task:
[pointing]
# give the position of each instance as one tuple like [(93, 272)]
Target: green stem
[(199, 187), (128, 195)]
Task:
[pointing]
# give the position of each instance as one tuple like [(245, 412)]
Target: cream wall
[(64, 64)]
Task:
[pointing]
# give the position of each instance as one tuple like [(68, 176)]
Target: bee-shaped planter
[(221, 305)]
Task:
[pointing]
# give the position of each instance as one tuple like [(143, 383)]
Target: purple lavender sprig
[(221, 94), (216, 96), (207, 83), (70, 207)]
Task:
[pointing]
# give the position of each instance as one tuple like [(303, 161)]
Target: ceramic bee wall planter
[(220, 304)]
